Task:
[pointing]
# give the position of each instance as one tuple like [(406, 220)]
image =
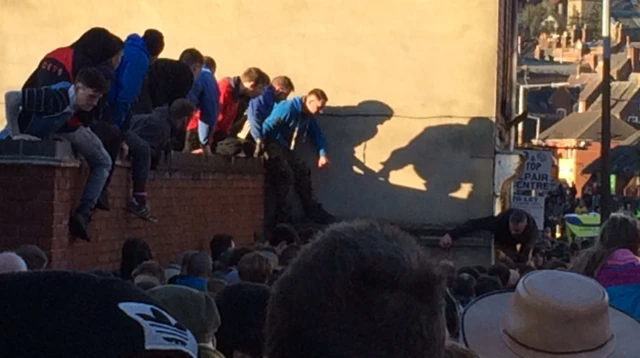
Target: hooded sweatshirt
[(204, 94), (166, 81), (129, 77), (286, 118), (92, 49)]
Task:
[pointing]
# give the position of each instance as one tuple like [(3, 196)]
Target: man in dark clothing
[(511, 228), (161, 127), (166, 81)]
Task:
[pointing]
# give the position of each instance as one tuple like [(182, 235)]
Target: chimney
[(543, 41), (619, 33), (628, 41), (537, 53), (584, 34), (633, 53), (582, 106), (574, 35), (563, 40), (594, 62)]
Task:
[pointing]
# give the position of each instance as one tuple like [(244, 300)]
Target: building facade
[(411, 129)]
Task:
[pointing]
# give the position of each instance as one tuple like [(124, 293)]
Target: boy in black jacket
[(162, 127)]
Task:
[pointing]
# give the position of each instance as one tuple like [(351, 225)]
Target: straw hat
[(550, 314)]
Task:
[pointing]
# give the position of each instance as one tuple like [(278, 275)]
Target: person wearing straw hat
[(550, 314)]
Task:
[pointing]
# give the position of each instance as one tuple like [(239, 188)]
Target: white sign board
[(531, 188)]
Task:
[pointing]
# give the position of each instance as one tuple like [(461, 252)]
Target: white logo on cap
[(161, 331)]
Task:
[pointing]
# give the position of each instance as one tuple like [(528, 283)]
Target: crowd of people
[(353, 289), (116, 99)]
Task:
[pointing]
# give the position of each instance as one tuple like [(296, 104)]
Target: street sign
[(533, 185)]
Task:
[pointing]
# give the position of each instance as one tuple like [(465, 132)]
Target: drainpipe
[(537, 119), (522, 106)]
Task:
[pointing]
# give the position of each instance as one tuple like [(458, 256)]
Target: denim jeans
[(87, 144), (140, 158)]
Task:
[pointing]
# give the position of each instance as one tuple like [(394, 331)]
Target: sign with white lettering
[(531, 188)]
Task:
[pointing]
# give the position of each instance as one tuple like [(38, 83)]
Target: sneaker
[(103, 201), (141, 211), (320, 216), (78, 225)]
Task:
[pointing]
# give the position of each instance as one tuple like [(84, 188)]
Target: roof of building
[(621, 93), (590, 83), (634, 77), (587, 126), (531, 129), (629, 17), (623, 5), (618, 60), (547, 67), (632, 140)]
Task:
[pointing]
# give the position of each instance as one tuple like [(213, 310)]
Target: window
[(633, 119), (575, 107), (562, 112)]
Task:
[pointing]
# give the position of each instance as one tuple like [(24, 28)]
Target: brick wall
[(193, 200)]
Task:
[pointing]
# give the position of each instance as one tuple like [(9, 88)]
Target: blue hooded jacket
[(285, 118), (205, 95), (129, 77), (259, 108)]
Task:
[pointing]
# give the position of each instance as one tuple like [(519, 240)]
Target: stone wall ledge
[(60, 153)]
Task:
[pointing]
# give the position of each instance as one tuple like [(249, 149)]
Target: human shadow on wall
[(346, 128), (357, 125), (442, 157)]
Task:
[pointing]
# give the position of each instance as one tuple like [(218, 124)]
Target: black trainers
[(320, 216), (141, 211), (103, 201), (78, 225)]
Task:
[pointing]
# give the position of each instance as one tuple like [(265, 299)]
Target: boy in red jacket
[(232, 92)]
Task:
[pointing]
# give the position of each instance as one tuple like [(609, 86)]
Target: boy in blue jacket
[(260, 107), (46, 111), (204, 95), (289, 120), (139, 53)]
